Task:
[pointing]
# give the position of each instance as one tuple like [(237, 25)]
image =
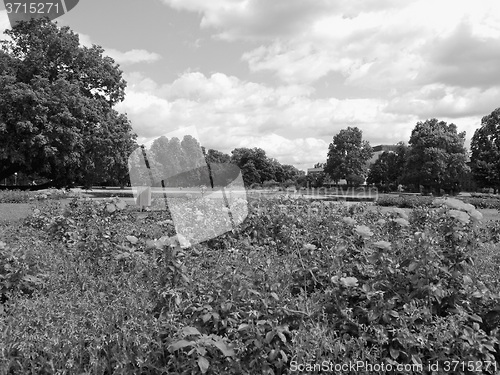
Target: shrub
[(296, 282), (14, 196), (405, 201)]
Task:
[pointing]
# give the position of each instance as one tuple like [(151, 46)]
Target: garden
[(97, 287)]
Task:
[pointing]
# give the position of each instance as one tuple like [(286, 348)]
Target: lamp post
[(15, 178)]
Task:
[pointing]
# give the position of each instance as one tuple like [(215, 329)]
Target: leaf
[(412, 266), (203, 364), (206, 317), (269, 336), (394, 353), (476, 318), (243, 327), (416, 360), (275, 296), (284, 356), (180, 344), (221, 345), (188, 331), (282, 337), (394, 314), (132, 239)]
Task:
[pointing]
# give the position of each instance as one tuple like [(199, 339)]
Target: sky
[(287, 75)]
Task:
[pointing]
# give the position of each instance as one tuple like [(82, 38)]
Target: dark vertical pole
[(226, 203), (147, 166)]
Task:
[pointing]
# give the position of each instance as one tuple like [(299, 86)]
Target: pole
[(226, 202)]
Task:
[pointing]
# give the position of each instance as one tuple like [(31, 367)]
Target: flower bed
[(100, 289), (19, 196), (412, 201)]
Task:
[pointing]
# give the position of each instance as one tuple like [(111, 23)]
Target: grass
[(14, 211)]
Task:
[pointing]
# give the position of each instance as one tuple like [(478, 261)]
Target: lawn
[(95, 287), (14, 211)]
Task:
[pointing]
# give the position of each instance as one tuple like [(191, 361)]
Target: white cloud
[(441, 101), (385, 44), (228, 113), (123, 58), (133, 56)]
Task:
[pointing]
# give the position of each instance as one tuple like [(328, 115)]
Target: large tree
[(56, 107), (436, 158), (348, 155), (485, 148)]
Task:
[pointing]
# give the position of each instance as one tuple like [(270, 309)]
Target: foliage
[(297, 282), (413, 201), (388, 169), (19, 196), (348, 155), (404, 201), (485, 147), (436, 157), (256, 167), (56, 107)]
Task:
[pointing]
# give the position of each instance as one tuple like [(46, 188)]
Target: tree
[(56, 107), (388, 169), (348, 155), (436, 157), (215, 156), (485, 148), (253, 163), (290, 172)]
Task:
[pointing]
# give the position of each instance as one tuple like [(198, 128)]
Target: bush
[(296, 282), (405, 201), (14, 196)]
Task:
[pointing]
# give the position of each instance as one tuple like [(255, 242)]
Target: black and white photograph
[(249, 187)]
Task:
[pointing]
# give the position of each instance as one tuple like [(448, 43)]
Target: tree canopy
[(258, 168), (388, 168), (348, 155), (437, 157), (56, 107), (485, 151)]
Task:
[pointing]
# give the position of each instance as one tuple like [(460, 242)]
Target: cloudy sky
[(287, 75)]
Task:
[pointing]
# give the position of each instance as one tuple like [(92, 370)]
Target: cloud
[(386, 44), (133, 56), (439, 100), (255, 20), (228, 113), (123, 58), (464, 58)]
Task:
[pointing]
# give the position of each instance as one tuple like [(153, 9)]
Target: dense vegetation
[(100, 288)]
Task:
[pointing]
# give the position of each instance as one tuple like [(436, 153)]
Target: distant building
[(314, 170), (379, 150)]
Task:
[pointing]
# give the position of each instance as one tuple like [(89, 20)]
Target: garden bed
[(98, 288)]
